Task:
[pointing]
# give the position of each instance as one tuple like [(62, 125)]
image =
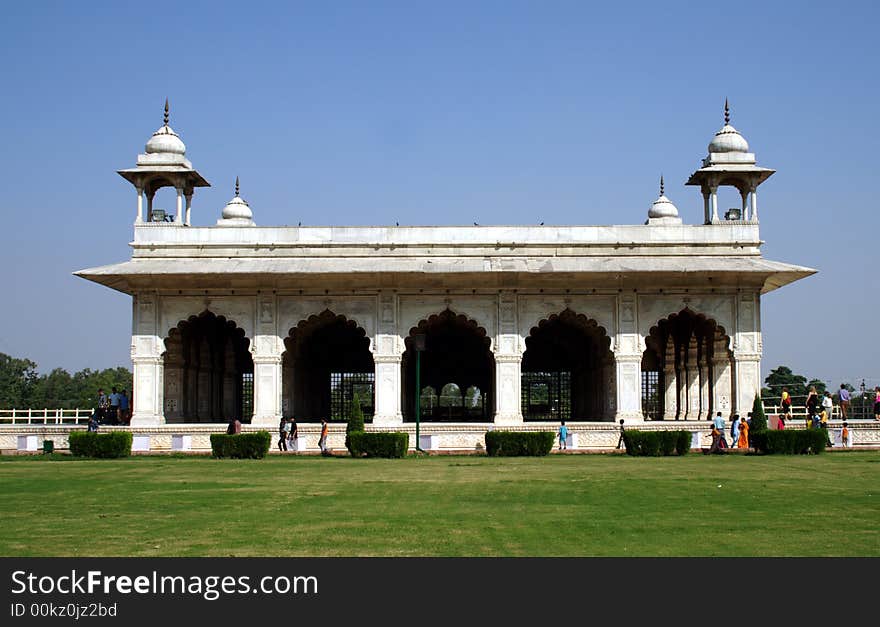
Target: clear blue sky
[(439, 113)]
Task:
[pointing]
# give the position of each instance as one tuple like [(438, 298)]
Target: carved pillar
[(670, 382), (713, 195), (178, 217), (188, 194), (693, 380), (174, 380), (508, 350), (753, 192), (721, 374), (747, 352), (628, 361), (147, 362), (704, 378), (140, 207), (388, 356), (266, 349)]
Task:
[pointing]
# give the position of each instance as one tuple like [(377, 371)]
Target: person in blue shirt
[(718, 423), (124, 414), (563, 436)]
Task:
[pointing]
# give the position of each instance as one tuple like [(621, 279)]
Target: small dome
[(728, 139), (237, 209), (165, 140), (663, 208)]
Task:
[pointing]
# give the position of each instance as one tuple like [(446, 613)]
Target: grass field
[(562, 505)]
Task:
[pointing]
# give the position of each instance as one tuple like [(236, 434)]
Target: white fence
[(45, 416)]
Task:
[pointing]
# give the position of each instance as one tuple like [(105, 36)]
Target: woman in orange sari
[(743, 441)]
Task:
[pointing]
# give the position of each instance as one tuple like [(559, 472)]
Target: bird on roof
[(475, 224)]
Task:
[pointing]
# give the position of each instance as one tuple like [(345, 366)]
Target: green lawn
[(562, 505)]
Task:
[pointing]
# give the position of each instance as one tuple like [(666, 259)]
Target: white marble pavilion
[(522, 326)]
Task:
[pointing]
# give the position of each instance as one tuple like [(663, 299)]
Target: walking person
[(812, 404), (293, 435), (103, 406), (282, 435), (844, 435), (563, 436), (827, 404), (718, 424), (843, 397), (743, 440), (124, 408), (620, 439), (734, 430), (322, 441), (113, 412)]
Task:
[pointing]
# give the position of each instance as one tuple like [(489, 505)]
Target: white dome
[(165, 140), (237, 209), (663, 208), (728, 139)]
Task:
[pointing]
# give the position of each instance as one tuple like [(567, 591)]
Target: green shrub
[(355, 421), (101, 445), (790, 441), (241, 445), (370, 444), (759, 420), (656, 443), (519, 444)]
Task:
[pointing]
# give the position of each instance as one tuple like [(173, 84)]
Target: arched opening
[(567, 370), (686, 369), (327, 367), (161, 205), (457, 362), (209, 372)]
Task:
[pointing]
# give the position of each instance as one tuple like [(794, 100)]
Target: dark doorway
[(208, 371), (457, 371), (326, 367), (566, 369)]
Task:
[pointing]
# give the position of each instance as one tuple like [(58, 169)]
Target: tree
[(759, 420), (18, 378), (783, 377), (355, 420)]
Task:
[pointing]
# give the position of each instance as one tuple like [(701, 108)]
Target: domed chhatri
[(237, 212), (164, 164), (662, 211), (728, 139), (165, 140)]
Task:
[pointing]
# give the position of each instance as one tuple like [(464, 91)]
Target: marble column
[(508, 350), (147, 347), (693, 381), (721, 379), (670, 382)]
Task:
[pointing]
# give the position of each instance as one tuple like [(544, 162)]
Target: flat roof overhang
[(346, 273)]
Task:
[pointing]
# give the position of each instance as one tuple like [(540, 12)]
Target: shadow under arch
[(457, 370), (208, 371), (687, 370), (567, 370), (326, 365)]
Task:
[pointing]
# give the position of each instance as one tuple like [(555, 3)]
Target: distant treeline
[(22, 387)]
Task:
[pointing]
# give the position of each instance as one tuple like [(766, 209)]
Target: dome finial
[(661, 184), (166, 112), (726, 113), (236, 187)]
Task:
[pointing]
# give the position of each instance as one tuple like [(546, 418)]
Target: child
[(322, 441), (563, 436), (844, 435)]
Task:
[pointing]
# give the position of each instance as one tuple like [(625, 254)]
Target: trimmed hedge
[(656, 443), (390, 445), (101, 445), (355, 421), (791, 441), (519, 444), (241, 445)]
